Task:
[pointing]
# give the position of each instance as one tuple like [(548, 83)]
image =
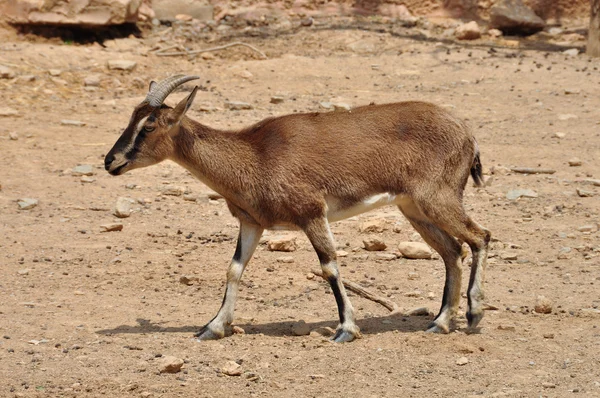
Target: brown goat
[(304, 171)]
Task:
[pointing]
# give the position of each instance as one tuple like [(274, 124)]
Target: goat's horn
[(159, 91)]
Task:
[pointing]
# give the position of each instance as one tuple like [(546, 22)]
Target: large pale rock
[(468, 31), (169, 9), (514, 17), (415, 250), (170, 364), (81, 12), (282, 244)]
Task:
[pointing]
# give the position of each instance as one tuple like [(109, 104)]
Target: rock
[(6, 111), (415, 250), (286, 260), (386, 256), (167, 10), (86, 13), (277, 99), (494, 32), (121, 64), (468, 31), (82, 170), (237, 105), (582, 193), (462, 361), (23, 271), (54, 72), (341, 106), (170, 364), (231, 368), (418, 311), (507, 328), (341, 253), (244, 74), (567, 116), (573, 52), (515, 18), (509, 256), (543, 305), (588, 228), (92, 80), (238, 330), (6, 72), (559, 135), (282, 244), (27, 203), (87, 179), (123, 207), (173, 191), (68, 122), (111, 227), (515, 194), (183, 17), (575, 162), (13, 136), (548, 385), (375, 225), (188, 280), (374, 245), (27, 78), (300, 328)]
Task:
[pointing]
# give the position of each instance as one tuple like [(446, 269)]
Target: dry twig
[(237, 43), (531, 170), (361, 291)]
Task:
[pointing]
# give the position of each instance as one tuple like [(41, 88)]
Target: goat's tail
[(476, 168)]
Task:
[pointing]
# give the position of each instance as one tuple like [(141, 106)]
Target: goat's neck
[(220, 159)]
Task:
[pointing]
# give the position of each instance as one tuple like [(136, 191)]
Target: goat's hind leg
[(320, 236), (248, 239)]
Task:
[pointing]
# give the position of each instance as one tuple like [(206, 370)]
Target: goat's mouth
[(118, 170)]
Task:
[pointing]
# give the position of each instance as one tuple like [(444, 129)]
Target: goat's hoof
[(343, 336), (435, 328), (473, 319), (207, 334)]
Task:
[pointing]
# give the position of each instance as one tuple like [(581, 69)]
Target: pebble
[(123, 207), (111, 227), (515, 194), (575, 162), (277, 99), (509, 256), (188, 280), (87, 179), (588, 228), (244, 74), (286, 259), (13, 136), (54, 72), (415, 250), (548, 385), (6, 72), (237, 105), (374, 245), (6, 111), (468, 31), (121, 64), (462, 361), (92, 80), (375, 225), (238, 330), (27, 203), (173, 191), (68, 122), (23, 271), (386, 256), (170, 364), (508, 328), (282, 244), (567, 116), (341, 253), (300, 328), (82, 170), (231, 368), (341, 106), (571, 52), (494, 32), (543, 305), (559, 135), (583, 193)]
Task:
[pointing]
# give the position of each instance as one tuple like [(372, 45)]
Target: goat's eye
[(148, 128)]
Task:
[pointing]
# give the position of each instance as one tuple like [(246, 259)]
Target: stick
[(237, 43), (531, 170), (361, 291)]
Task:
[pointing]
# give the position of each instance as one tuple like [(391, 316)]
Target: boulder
[(82, 13), (415, 250), (515, 18), (468, 31)]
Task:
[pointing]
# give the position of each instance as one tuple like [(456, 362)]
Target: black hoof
[(474, 319), (342, 336)]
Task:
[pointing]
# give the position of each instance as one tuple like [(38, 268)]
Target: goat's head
[(147, 140)]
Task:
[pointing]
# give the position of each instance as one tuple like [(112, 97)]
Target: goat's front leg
[(320, 236), (247, 241)]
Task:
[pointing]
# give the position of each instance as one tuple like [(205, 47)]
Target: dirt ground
[(90, 313)]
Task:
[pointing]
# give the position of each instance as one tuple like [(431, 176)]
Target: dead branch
[(531, 170), (237, 43), (361, 291)]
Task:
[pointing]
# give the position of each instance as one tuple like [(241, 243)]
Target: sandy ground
[(87, 313)]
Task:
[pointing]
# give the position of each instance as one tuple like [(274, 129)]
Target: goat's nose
[(108, 160)]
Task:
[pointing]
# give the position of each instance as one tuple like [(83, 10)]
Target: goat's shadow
[(374, 325)]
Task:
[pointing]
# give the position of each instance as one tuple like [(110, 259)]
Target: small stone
[(418, 311), (123, 207), (386, 256), (310, 276), (79, 293), (92, 80), (6, 111), (374, 245), (569, 91), (413, 276), (237, 105), (543, 305), (170, 364), (300, 328), (238, 330), (341, 106), (285, 260), (326, 105), (208, 56), (468, 31), (111, 227), (567, 116), (82, 170), (6, 72), (509, 256), (414, 294), (121, 64), (23, 271), (231, 368), (573, 52), (575, 162), (54, 72), (462, 361), (494, 32), (415, 250), (87, 179), (588, 228), (13, 136), (583, 193), (559, 135), (548, 385), (173, 191), (188, 280), (507, 328), (375, 225), (184, 17), (282, 244), (548, 335), (27, 203), (277, 99), (244, 74), (341, 253), (76, 123), (515, 194), (308, 21)]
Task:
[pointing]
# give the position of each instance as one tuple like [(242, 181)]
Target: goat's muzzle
[(113, 169)]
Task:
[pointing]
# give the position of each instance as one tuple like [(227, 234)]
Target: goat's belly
[(336, 213)]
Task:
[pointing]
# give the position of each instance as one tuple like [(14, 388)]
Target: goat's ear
[(182, 107)]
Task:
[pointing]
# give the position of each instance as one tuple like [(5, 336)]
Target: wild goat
[(304, 171)]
